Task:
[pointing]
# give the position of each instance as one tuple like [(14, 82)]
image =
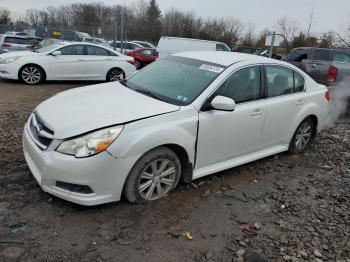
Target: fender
[(176, 128), (309, 109)]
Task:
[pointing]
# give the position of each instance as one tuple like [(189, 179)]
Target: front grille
[(41, 134)]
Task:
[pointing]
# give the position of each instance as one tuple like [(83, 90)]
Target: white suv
[(183, 117)]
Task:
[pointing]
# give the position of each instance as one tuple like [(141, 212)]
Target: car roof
[(15, 36), (225, 58), (192, 39)]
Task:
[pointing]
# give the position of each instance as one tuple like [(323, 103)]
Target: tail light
[(332, 74), (29, 47), (328, 95), (6, 45), (127, 53), (131, 62)]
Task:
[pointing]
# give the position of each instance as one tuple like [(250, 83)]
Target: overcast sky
[(328, 15)]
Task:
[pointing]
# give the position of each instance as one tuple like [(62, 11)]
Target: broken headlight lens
[(90, 144)]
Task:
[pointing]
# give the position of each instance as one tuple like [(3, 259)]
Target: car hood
[(19, 53), (84, 109)]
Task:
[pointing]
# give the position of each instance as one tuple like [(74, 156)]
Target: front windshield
[(175, 80), (48, 48)]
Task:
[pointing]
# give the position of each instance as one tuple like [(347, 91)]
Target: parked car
[(47, 41), (144, 44), (9, 43), (143, 56), (98, 41), (125, 46), (249, 50), (170, 45), (326, 66), (66, 61), (65, 34), (182, 117)]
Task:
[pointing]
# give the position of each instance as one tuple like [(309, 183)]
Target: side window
[(280, 81), (340, 57), (321, 55), (94, 50), (72, 50), (242, 86), (146, 52), (299, 83), (221, 47)]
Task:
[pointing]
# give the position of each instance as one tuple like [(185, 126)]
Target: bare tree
[(5, 16), (288, 29), (248, 38), (311, 20)]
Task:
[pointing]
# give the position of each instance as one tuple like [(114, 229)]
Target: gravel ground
[(281, 208)]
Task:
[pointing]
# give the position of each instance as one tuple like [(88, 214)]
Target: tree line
[(145, 21)]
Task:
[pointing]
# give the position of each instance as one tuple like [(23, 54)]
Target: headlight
[(90, 144), (9, 59)]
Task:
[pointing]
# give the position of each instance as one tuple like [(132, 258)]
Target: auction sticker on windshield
[(211, 68)]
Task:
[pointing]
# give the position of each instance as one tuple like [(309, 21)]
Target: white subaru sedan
[(66, 61), (185, 116)]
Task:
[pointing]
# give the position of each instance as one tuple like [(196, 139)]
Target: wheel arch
[(32, 64)]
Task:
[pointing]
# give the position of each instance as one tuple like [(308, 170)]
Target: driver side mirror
[(223, 103), (56, 53)]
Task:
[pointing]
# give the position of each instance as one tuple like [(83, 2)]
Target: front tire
[(153, 176), (115, 74), (31, 75), (302, 136)]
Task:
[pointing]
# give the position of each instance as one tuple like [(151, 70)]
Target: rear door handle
[(313, 65), (300, 103), (257, 112), (81, 60)]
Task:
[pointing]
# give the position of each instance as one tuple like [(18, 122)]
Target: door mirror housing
[(56, 53), (223, 103)]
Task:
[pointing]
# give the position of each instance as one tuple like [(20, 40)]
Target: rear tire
[(302, 136), (31, 75), (115, 74), (153, 176)]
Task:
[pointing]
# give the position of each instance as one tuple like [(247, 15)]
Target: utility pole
[(272, 43), (122, 34), (115, 34)]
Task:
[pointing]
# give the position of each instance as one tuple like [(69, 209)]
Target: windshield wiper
[(148, 93)]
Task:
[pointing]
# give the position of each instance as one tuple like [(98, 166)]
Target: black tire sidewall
[(131, 191)]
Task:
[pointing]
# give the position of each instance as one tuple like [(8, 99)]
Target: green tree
[(153, 21)]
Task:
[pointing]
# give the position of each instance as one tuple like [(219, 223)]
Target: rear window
[(16, 40), (321, 55), (340, 57), (221, 47)]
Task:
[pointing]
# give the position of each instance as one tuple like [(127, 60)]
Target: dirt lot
[(297, 206)]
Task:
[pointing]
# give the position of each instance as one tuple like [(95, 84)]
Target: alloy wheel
[(157, 179), (116, 75), (31, 75), (303, 135)]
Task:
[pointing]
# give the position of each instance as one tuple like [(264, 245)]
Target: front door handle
[(300, 103), (257, 112), (313, 65), (81, 60)]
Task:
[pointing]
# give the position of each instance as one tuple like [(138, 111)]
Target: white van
[(169, 45)]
